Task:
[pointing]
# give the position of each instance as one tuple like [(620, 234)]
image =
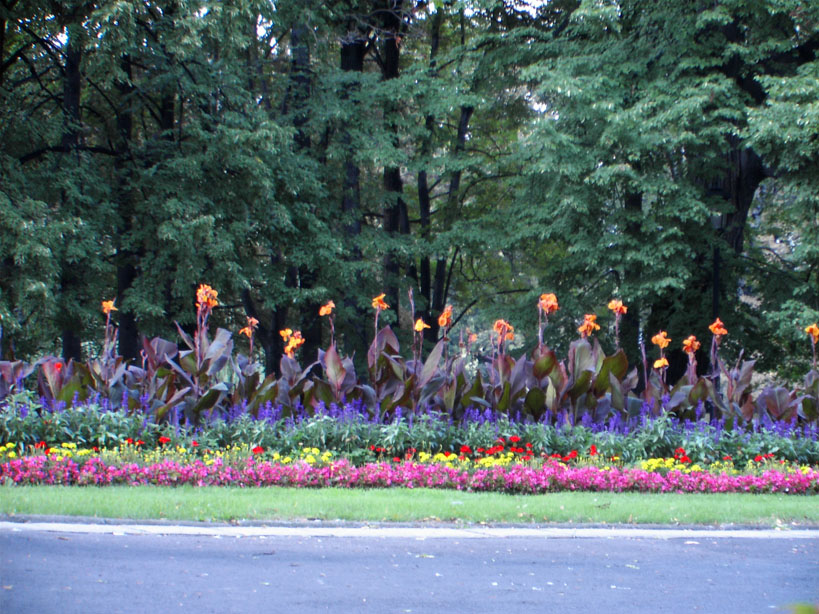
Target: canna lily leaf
[(185, 337), (430, 389), (618, 399), (535, 403), (544, 365), (209, 399), (616, 365), (505, 398), (431, 364), (220, 345), (335, 371), (174, 400)]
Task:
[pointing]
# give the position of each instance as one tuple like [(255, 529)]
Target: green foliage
[(663, 154)]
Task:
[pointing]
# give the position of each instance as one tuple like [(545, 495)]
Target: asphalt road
[(68, 571)]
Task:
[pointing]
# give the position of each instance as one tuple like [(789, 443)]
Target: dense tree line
[(478, 152)]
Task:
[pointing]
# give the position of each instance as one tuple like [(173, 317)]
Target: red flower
[(257, 450), (129, 441), (466, 450), (528, 445), (481, 450), (500, 440), (447, 454), (727, 457), (593, 450), (759, 458), (195, 443), (163, 440), (139, 442), (42, 444), (372, 448), (570, 456), (679, 452), (514, 439), (395, 459), (685, 459)]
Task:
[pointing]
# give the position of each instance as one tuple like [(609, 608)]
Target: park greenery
[(477, 152), (349, 243)]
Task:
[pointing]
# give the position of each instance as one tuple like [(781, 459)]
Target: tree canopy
[(478, 152)]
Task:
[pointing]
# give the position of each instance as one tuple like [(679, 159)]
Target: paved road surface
[(64, 569)]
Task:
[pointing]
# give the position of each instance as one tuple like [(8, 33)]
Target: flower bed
[(311, 468)]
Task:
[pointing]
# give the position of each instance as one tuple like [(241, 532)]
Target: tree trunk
[(72, 82), (424, 196), (442, 272), (353, 52), (297, 103), (396, 216), (126, 259)]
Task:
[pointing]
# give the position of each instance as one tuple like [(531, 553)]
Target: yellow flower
[(660, 363), (661, 340), (617, 307), (379, 304), (718, 328), (445, 319), (813, 331), (327, 309), (420, 325), (691, 345), (108, 307), (548, 303), (206, 297), (589, 325)]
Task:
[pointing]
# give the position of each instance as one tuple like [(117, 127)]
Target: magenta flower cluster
[(550, 477)]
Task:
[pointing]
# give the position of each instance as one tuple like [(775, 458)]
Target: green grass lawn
[(407, 505)]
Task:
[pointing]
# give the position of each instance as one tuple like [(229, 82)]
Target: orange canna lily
[(206, 297), (379, 304), (617, 307), (327, 309), (548, 303), (718, 328), (445, 319), (108, 307), (295, 341), (420, 325), (661, 363), (252, 323), (473, 337), (501, 327), (504, 330), (286, 333), (661, 340), (813, 331), (691, 345), (589, 325)]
